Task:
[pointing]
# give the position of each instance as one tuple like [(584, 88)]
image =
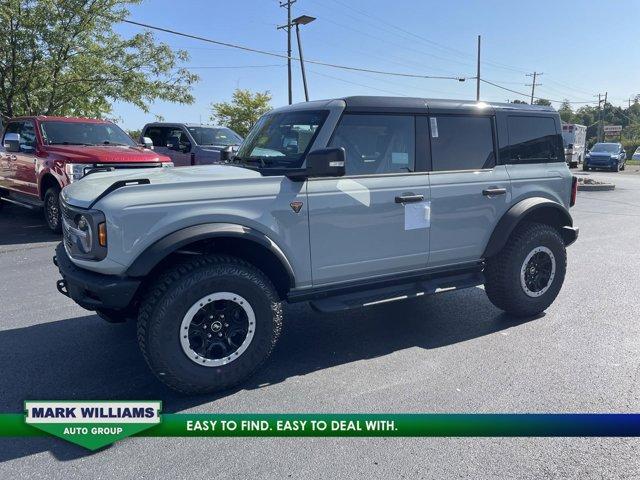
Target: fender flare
[(542, 209), (159, 250)]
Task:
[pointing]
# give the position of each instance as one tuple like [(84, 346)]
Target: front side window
[(214, 136), (281, 139), (27, 133), (534, 139), (84, 133), (461, 143), (376, 144)]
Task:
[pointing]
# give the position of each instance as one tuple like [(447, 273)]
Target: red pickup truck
[(41, 155)]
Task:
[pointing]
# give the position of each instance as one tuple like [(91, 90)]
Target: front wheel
[(584, 167), (208, 324), (52, 209), (525, 277)]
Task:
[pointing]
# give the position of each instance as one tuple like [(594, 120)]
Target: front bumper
[(92, 290)]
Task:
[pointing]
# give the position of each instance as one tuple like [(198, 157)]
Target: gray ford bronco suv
[(342, 203)]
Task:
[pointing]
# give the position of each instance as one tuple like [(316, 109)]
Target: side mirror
[(326, 162), (147, 142), (226, 154), (12, 142)]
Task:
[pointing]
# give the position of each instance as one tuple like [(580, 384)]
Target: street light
[(302, 20)]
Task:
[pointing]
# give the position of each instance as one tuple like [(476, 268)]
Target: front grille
[(67, 218)]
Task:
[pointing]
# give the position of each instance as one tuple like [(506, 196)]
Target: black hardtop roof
[(434, 104)]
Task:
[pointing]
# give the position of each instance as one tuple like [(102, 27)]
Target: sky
[(582, 48)]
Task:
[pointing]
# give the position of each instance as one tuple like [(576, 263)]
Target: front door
[(172, 142), (469, 192), (373, 221), (25, 179)]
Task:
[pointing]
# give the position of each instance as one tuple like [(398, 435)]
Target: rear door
[(373, 221), (469, 192)]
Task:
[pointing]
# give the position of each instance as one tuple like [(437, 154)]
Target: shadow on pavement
[(87, 358), (20, 226)]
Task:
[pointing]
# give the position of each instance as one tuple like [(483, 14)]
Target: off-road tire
[(502, 272), (584, 167), (166, 303), (52, 212)]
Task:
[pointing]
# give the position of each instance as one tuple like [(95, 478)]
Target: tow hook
[(61, 285)]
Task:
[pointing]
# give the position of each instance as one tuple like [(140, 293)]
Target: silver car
[(343, 203)]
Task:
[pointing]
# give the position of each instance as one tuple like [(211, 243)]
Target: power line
[(528, 95), (279, 55)]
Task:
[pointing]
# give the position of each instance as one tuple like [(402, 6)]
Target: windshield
[(81, 133), (214, 136), (605, 147), (282, 139)]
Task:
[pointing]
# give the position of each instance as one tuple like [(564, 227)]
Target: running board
[(379, 296), (28, 205)]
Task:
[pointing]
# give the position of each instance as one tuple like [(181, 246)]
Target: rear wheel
[(208, 324), (525, 277), (52, 213)]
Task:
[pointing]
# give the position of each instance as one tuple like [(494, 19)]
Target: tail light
[(574, 191)]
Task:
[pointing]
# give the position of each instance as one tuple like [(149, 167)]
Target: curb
[(598, 187)]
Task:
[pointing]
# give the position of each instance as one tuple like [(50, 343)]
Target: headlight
[(75, 171), (85, 232)]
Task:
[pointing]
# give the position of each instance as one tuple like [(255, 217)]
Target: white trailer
[(575, 143)]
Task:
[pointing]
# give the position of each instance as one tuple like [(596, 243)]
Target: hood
[(85, 191), (106, 154)]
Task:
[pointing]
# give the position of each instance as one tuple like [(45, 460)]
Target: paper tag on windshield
[(417, 215)]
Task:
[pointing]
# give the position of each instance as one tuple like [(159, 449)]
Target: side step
[(16, 200), (398, 292)]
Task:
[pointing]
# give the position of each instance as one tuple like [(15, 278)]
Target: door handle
[(490, 192), (409, 198)]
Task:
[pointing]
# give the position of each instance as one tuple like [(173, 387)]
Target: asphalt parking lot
[(453, 352)]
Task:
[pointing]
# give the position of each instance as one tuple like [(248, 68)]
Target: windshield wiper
[(71, 143), (107, 142)]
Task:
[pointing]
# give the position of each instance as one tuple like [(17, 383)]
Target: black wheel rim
[(53, 211), (538, 271), (217, 329)]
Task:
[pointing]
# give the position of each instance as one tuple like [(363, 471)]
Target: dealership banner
[(97, 424)]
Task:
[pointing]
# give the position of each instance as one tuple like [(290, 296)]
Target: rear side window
[(534, 139), (461, 143), (376, 144)]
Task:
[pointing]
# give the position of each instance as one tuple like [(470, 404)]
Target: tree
[(243, 111), (63, 57), (542, 101), (519, 102), (566, 112)]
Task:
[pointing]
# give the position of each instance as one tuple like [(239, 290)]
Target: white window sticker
[(417, 215), (434, 127)]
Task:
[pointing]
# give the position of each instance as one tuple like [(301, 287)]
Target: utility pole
[(288, 26), (478, 74), (601, 103), (533, 84)]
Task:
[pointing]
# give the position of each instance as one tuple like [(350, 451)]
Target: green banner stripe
[(360, 425)]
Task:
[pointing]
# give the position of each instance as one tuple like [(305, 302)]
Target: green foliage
[(243, 111), (63, 57), (542, 101), (134, 134), (519, 102)]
